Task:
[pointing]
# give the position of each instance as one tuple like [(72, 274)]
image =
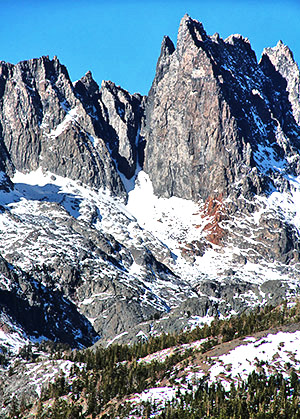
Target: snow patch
[(69, 118), (272, 353)]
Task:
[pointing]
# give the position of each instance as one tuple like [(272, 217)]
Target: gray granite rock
[(44, 125), (217, 128)]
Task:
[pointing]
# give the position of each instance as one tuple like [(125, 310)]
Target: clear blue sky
[(120, 40)]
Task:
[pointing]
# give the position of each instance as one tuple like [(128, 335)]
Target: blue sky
[(120, 40)]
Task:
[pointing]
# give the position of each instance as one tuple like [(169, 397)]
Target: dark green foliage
[(113, 373), (238, 326), (260, 398)]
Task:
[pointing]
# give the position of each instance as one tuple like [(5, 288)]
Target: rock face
[(41, 310), (222, 128), (282, 60), (123, 216), (210, 110), (117, 118), (44, 123)]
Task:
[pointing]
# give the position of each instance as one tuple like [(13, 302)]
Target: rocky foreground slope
[(123, 216), (243, 367)]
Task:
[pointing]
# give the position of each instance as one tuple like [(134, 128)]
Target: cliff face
[(223, 129), (185, 133), (210, 111), (117, 117), (47, 123), (118, 209), (280, 60)]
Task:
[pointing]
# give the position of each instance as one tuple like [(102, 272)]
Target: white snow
[(12, 336), (195, 321), (41, 201), (166, 218), (34, 227), (70, 117), (158, 395), (172, 222), (45, 372), (276, 351), (161, 356), (116, 338), (13, 342)]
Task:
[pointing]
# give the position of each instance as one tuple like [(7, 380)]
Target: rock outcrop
[(210, 110), (45, 123), (282, 60), (117, 117), (221, 127), (122, 214), (40, 310)]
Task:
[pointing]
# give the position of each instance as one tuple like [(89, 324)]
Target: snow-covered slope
[(122, 216), (142, 215), (150, 248), (227, 364)]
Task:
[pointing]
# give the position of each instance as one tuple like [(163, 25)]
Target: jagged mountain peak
[(167, 45), (187, 23), (231, 70), (196, 65), (117, 117), (236, 38), (190, 33), (134, 207), (219, 131), (90, 84), (46, 102), (163, 62), (280, 59), (41, 68), (280, 55), (282, 48), (86, 87), (113, 88)]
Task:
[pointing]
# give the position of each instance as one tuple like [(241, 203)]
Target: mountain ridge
[(140, 209)]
